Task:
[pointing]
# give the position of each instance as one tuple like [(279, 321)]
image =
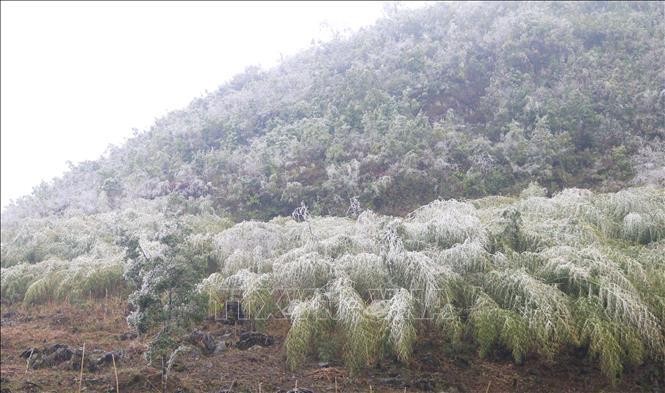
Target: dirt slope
[(102, 328)]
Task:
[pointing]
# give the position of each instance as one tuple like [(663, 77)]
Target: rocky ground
[(42, 349)]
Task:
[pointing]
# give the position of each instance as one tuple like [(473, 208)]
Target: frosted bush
[(310, 270), (530, 274)]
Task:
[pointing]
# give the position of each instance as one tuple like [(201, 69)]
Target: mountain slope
[(454, 101), (459, 100)]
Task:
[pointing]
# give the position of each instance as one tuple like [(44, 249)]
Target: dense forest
[(496, 168)]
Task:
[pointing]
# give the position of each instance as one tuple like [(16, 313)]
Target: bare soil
[(101, 326)]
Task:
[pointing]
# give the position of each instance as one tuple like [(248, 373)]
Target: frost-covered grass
[(58, 280), (70, 258), (530, 275)]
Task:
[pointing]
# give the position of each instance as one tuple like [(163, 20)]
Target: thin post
[(81, 373), (115, 371)]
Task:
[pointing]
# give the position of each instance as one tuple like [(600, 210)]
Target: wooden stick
[(81, 374), (335, 384), (488, 386), (259, 387), (27, 361), (117, 385)]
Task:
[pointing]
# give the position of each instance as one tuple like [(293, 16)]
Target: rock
[(47, 357), (30, 387), (220, 346), (107, 358), (203, 341), (62, 355), (7, 318), (41, 360), (54, 347), (75, 362), (29, 352), (250, 339), (324, 364), (300, 390), (56, 354), (36, 360)]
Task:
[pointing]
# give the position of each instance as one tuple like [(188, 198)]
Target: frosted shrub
[(62, 280), (263, 239), (466, 257), (523, 290), (308, 320), (643, 227), (401, 319), (444, 224), (530, 275), (366, 271), (306, 271)]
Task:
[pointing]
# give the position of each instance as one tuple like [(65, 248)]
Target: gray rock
[(108, 357), (220, 346), (204, 341), (62, 355), (250, 339)]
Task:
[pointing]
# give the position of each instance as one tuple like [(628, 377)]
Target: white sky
[(77, 76)]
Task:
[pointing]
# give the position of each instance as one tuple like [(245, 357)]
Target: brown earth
[(101, 326)]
